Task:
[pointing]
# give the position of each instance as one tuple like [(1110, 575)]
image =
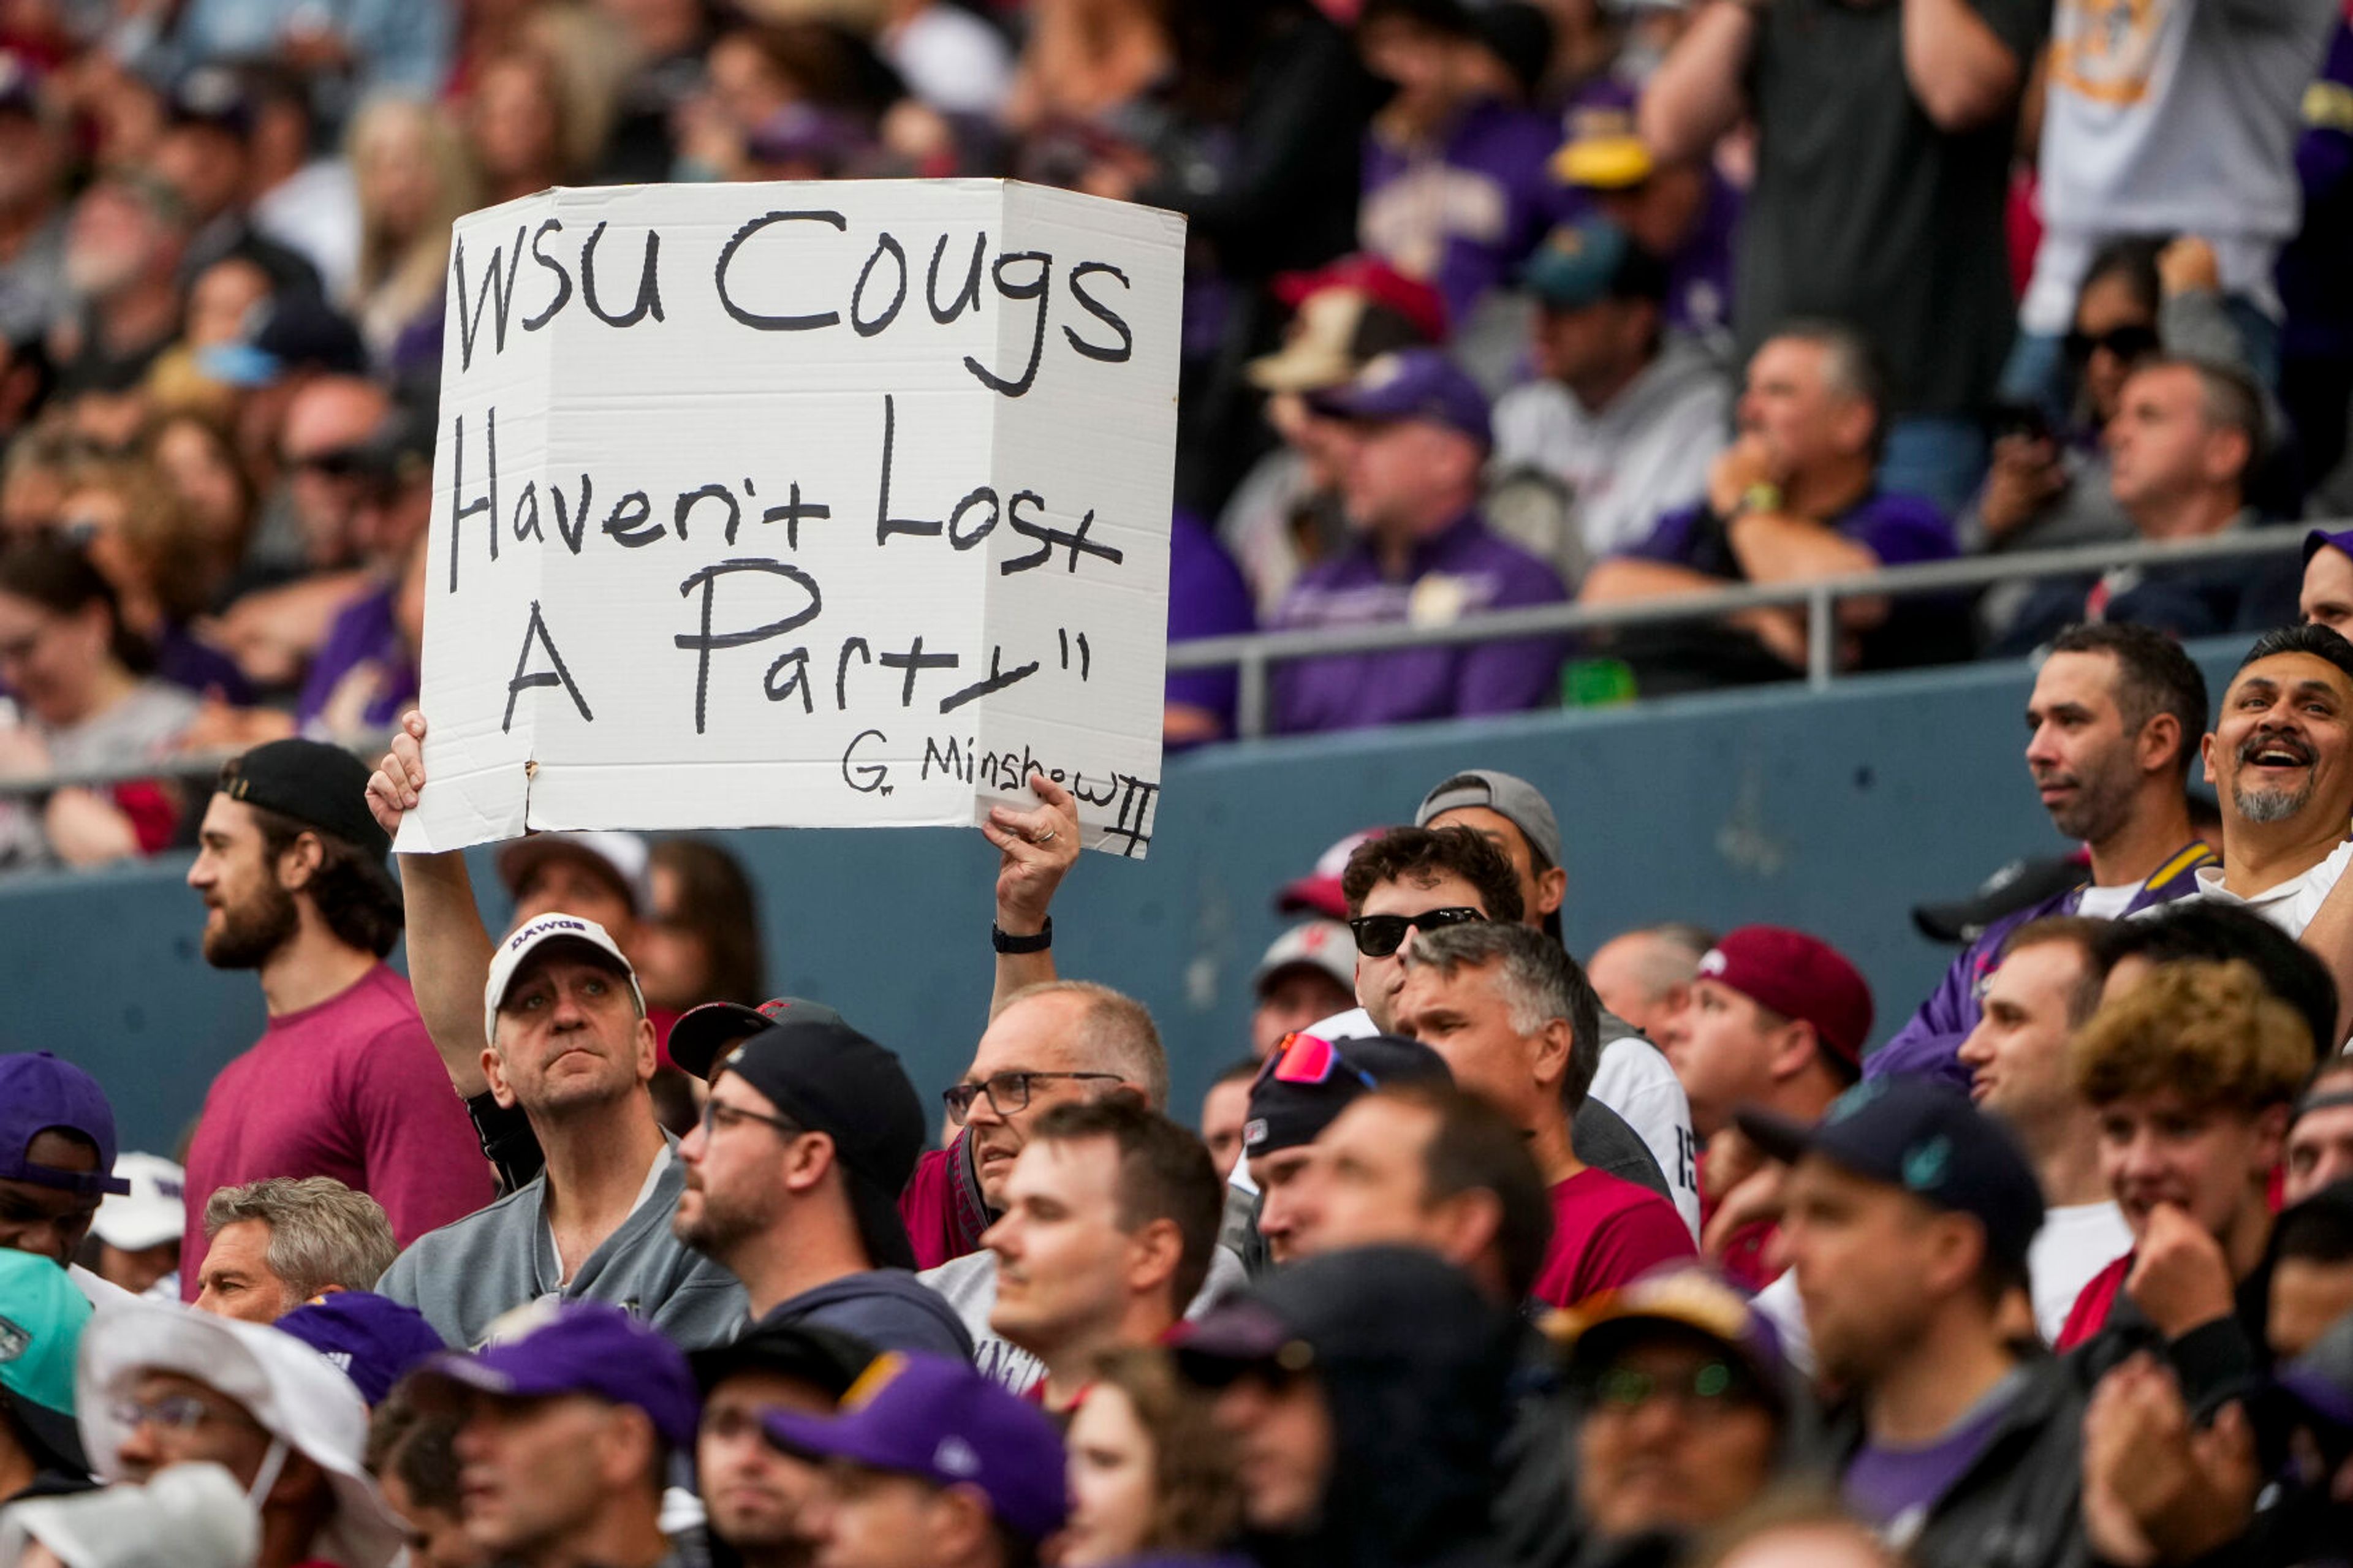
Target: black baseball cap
[(826, 1359), (319, 785), (704, 1034), (829, 1077), (1927, 1138)]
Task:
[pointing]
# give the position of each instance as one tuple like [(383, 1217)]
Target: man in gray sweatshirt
[(570, 1043)]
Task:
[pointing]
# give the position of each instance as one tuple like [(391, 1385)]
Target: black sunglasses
[(2126, 343), (1378, 936)]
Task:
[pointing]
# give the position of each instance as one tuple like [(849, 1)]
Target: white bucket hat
[(190, 1516), (294, 1393)]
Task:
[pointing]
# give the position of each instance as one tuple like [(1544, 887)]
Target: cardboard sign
[(822, 505)]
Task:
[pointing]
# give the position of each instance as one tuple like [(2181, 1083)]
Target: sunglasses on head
[(2126, 343), (1304, 1059), (1378, 936)]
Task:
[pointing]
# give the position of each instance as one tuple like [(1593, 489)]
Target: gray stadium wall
[(1832, 812)]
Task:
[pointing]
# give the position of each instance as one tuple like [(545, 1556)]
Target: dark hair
[(418, 1446), (354, 894), (2153, 676), (717, 904), (59, 577), (2080, 932), (1537, 980), (1476, 1148), (2319, 1229), (1242, 1069), (1403, 853), (2132, 261), (1165, 1172), (2311, 638), (2203, 929)]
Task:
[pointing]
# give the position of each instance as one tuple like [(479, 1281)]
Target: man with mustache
[(344, 1082), (2281, 762), (2111, 727)]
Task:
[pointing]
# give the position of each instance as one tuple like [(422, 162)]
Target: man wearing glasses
[(793, 1180), (570, 1043)]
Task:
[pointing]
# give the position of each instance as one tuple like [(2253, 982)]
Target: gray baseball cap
[(1507, 795)]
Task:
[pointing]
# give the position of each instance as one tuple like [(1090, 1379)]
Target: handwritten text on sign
[(812, 505)]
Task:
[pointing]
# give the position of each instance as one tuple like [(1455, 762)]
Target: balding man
[(1645, 976)]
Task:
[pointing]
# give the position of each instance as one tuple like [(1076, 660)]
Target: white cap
[(527, 939), (625, 854), (191, 1515), (294, 1393), (1327, 945), (152, 1212)]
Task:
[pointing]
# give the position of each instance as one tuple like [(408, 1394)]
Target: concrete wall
[(1833, 812)]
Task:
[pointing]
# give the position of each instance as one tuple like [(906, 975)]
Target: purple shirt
[(1463, 570), (365, 641), (1206, 598), (1463, 215), (1893, 1489)]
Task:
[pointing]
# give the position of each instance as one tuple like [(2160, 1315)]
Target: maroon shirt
[(350, 1088), (1607, 1231)]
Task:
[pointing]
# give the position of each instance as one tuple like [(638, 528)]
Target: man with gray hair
[(1794, 500), (1517, 1023), (276, 1243)]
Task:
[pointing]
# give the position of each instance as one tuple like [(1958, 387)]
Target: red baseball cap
[(1417, 301), (1798, 976), (1318, 892)]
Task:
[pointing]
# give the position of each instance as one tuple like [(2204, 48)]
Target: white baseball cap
[(535, 935), (1325, 945), (625, 856), (294, 1393), (152, 1212)]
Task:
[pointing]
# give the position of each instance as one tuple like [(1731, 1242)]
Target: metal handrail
[(1256, 653)]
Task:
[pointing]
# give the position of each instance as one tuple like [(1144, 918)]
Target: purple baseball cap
[(2321, 538), (374, 1340), (583, 1347), (1411, 384), (942, 1420), (38, 1092)]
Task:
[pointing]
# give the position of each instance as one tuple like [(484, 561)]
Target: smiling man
[(2111, 726), (2281, 762), (570, 1043), (344, 1082), (2192, 1073)]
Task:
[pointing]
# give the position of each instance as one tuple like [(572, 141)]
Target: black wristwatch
[(1004, 941)]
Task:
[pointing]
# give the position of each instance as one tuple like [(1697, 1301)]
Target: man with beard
[(754, 1494), (2111, 727), (344, 1081), (2278, 762), (570, 1045), (792, 1181)]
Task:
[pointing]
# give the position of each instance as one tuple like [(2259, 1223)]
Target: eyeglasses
[(1711, 1386), (171, 1412), (1303, 1058), (1008, 1092), (2126, 343), (1378, 936), (718, 1115)]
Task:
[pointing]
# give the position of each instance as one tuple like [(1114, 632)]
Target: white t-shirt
[(1635, 1081), (2074, 1243), (2289, 905), (2108, 903)]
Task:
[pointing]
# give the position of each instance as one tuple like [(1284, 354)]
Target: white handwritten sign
[(836, 504)]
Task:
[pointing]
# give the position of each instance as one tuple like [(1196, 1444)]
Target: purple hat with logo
[(942, 1420), (38, 1093), (374, 1340), (1411, 384), (583, 1347)]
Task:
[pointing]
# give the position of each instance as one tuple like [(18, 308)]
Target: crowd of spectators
[(1487, 304), (567, 1246)]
